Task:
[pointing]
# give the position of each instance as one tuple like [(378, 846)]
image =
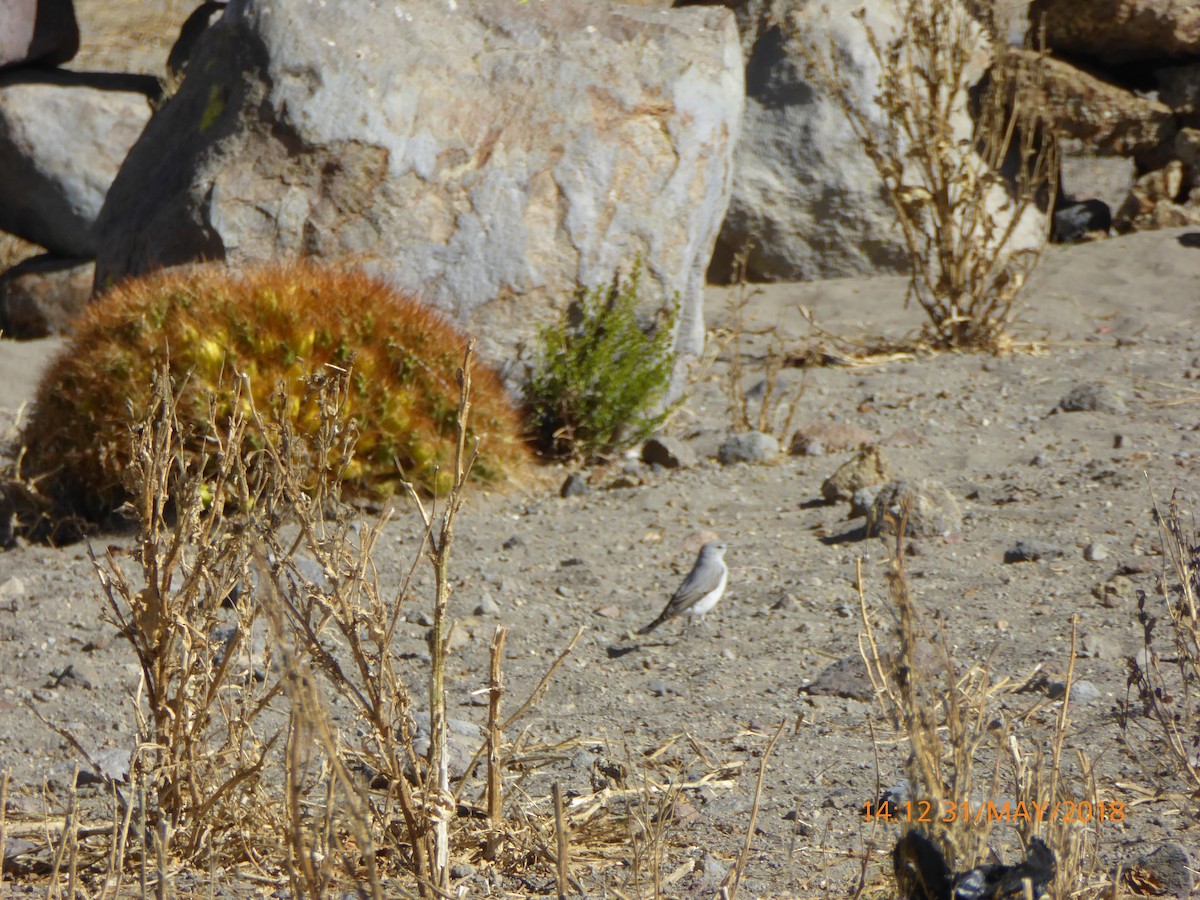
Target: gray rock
[(1033, 550), (847, 677), (863, 501), (668, 452), (463, 738), (932, 510), (1171, 866), (489, 156), (819, 438), (13, 589), (807, 202), (751, 447), (1084, 692), (868, 468), (1092, 398), (43, 295), (60, 148), (1095, 552), (41, 31), (575, 485), (487, 606)]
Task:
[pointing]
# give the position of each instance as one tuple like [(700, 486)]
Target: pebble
[(1032, 550), (932, 510), (659, 688), (820, 438), (1170, 866), (487, 606), (574, 486), (667, 452), (1092, 397), (751, 447), (1095, 551), (868, 468)]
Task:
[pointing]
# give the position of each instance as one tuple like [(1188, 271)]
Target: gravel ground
[(1113, 321)]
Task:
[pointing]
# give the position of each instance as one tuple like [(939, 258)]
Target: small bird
[(701, 589)]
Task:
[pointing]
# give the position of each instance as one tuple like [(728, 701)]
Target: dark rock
[(37, 31), (60, 148), (1033, 550), (1092, 398), (574, 486), (1075, 221), (845, 678), (670, 453), (1170, 866), (43, 295), (1120, 31)]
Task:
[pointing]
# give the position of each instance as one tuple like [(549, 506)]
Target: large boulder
[(37, 31), (1120, 31), (60, 147), (1110, 120), (807, 202), (489, 156)]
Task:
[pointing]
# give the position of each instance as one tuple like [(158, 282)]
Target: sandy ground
[(1119, 313)]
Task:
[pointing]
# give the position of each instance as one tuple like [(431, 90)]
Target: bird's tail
[(649, 628)]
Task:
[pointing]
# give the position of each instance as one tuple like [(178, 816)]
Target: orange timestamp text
[(925, 811)]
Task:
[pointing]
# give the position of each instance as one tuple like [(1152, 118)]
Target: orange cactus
[(273, 325)]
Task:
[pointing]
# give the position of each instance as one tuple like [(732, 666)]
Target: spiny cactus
[(270, 326)]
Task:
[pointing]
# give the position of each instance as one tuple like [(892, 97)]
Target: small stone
[(1095, 646), (513, 542), (659, 688), (867, 468), (1117, 591), (583, 760), (862, 501), (13, 590), (420, 617), (1032, 550), (462, 870), (609, 612), (926, 508), (1092, 397), (1084, 692), (1095, 551), (1170, 867), (751, 447), (668, 452), (487, 606), (819, 438), (575, 486), (563, 591)]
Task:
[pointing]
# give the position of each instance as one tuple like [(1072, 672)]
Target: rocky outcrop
[(807, 202), (1116, 32), (37, 31), (60, 147), (42, 295), (490, 156), (1107, 118)]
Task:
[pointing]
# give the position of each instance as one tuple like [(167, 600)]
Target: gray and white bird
[(701, 589)]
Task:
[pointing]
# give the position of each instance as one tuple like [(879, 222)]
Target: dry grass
[(961, 218), (1163, 697), (970, 768), (269, 671)]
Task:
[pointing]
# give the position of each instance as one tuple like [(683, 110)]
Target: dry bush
[(767, 406), (269, 670), (967, 770), (963, 196), (280, 323), (1166, 675)]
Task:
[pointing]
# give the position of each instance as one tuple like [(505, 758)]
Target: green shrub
[(601, 377)]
